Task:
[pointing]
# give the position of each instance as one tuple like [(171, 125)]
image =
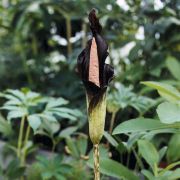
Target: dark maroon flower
[(93, 70)]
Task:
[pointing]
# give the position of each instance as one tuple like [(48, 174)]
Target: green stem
[(111, 126), (20, 138), (53, 146), (69, 31), (25, 143), (112, 122), (128, 158), (155, 170), (139, 162)]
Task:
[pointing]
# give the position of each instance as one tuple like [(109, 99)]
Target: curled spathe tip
[(94, 22)]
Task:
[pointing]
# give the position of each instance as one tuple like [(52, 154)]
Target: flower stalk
[(96, 162)]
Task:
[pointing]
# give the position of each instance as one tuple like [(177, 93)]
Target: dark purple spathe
[(106, 72)]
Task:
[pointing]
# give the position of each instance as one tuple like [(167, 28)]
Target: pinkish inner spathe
[(94, 64)]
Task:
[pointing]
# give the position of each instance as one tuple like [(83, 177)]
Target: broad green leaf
[(148, 174), (133, 138), (174, 175), (82, 144), (11, 98), (47, 175), (18, 94), (64, 112), (34, 121), (110, 139), (32, 95), (5, 127), (48, 128), (13, 102), (173, 154), (14, 170), (168, 113), (65, 115), (173, 66), (148, 152), (72, 147), (142, 125), (167, 91), (124, 96), (13, 108), (114, 169), (60, 177), (56, 102), (34, 172), (162, 152), (121, 147), (174, 128), (68, 131), (47, 117), (16, 114)]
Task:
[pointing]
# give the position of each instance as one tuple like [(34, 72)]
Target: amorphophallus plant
[(96, 75)]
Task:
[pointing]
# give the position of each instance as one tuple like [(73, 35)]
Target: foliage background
[(40, 41)]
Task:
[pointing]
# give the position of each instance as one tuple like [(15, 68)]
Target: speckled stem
[(96, 162)]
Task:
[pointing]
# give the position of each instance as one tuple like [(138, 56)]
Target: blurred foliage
[(39, 44)]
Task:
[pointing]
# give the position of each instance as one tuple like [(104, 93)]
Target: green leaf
[(174, 66), (60, 177), (133, 138), (82, 144), (72, 147), (13, 102), (16, 114), (110, 139), (124, 96), (148, 174), (13, 108), (48, 117), (168, 112), (34, 172), (174, 175), (18, 94), (34, 121), (142, 125), (167, 91), (173, 154), (47, 175), (162, 152), (64, 113), (14, 170), (11, 98), (56, 102), (5, 127), (68, 131), (114, 169), (148, 152), (48, 128)]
